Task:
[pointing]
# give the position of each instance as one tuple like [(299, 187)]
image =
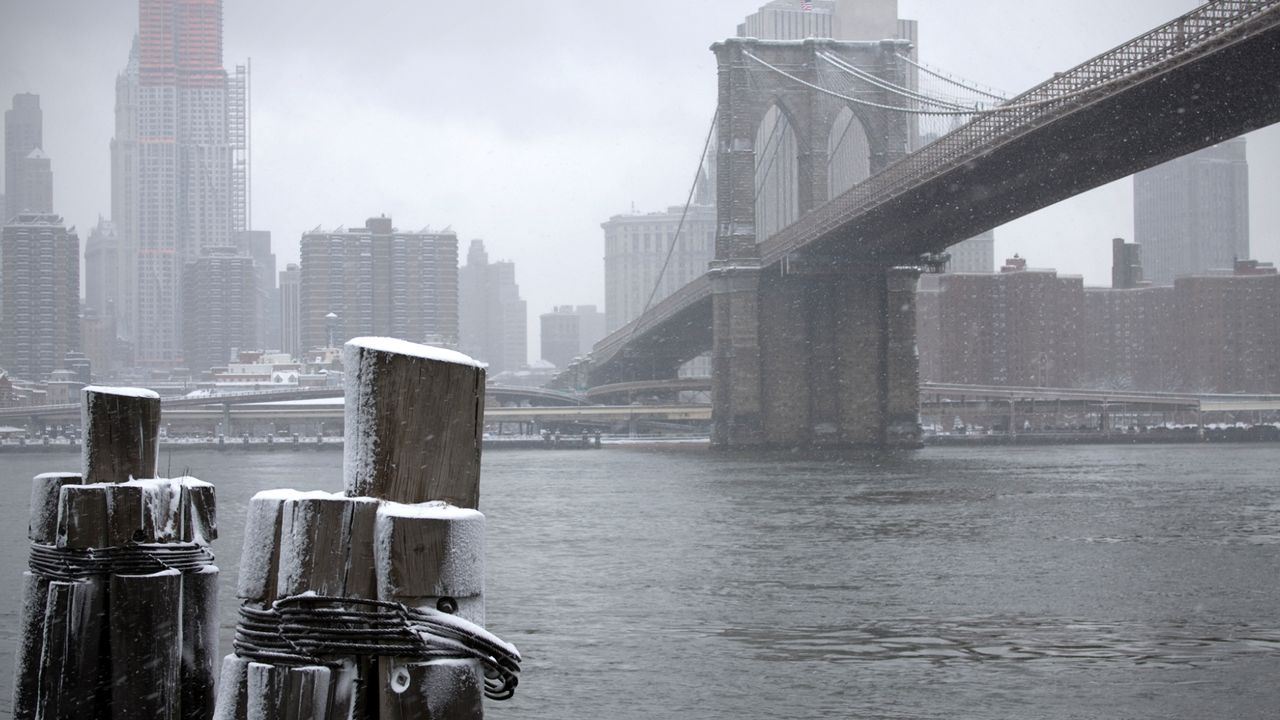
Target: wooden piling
[(435, 690), (26, 688), (69, 670), (413, 428), (431, 555), (277, 692), (260, 554), (414, 420), (121, 433), (45, 489), (146, 651), (102, 636), (197, 673)]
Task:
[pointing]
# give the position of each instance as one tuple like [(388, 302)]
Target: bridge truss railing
[(1148, 52), (691, 292)]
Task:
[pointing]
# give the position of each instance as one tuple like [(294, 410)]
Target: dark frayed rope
[(318, 630), (57, 563)]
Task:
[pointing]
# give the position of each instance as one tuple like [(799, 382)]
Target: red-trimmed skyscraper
[(179, 166)]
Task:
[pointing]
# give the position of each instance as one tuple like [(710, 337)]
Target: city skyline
[(646, 120)]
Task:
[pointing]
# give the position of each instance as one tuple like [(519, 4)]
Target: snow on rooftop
[(403, 347), (123, 391)]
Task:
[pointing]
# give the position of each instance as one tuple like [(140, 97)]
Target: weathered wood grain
[(70, 664), (435, 690), (197, 675), (45, 491), (260, 554), (146, 649), (121, 434), (414, 421), (277, 692), (429, 552), (233, 689), (26, 687)]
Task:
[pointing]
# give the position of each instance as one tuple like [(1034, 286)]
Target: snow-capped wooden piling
[(414, 423), (119, 616), (414, 420), (432, 556), (121, 434), (405, 531)]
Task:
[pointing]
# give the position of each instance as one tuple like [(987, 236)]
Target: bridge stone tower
[(819, 348)]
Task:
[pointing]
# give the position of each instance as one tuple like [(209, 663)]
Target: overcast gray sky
[(528, 124)]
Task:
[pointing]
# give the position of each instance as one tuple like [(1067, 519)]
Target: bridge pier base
[(815, 360)]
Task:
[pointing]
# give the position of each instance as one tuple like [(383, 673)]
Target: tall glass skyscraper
[(179, 165)]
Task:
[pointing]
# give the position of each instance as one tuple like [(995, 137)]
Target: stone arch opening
[(777, 173), (848, 153)]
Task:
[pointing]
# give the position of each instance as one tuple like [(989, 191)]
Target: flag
[(806, 6)]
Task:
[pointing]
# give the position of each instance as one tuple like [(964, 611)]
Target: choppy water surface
[(1135, 582)]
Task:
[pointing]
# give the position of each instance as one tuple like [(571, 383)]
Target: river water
[(1061, 582)]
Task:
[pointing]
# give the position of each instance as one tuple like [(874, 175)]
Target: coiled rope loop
[(318, 630), (57, 563)]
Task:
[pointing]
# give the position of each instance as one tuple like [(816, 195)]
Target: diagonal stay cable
[(697, 176), (976, 111), (898, 90), (948, 79)]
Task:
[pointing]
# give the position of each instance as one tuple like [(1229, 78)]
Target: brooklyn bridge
[(825, 220)]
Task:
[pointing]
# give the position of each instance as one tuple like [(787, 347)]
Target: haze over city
[(799, 359), (529, 124)]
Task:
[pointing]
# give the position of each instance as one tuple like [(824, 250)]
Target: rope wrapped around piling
[(57, 563), (317, 630)]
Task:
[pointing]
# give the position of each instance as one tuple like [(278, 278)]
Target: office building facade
[(219, 308), (377, 280), (1019, 327), (40, 312), (568, 332), (1191, 215), (975, 255), (636, 249)]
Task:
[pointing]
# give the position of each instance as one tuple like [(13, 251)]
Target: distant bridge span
[(812, 327), (511, 393)]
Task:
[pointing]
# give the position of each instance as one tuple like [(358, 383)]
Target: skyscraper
[(40, 319), (33, 185), (23, 132), (101, 268), (493, 317), (1191, 215), (291, 310), (377, 280), (178, 180)]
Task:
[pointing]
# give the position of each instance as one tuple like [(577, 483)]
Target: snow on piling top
[(121, 428), (123, 391), (426, 352), (413, 421)]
